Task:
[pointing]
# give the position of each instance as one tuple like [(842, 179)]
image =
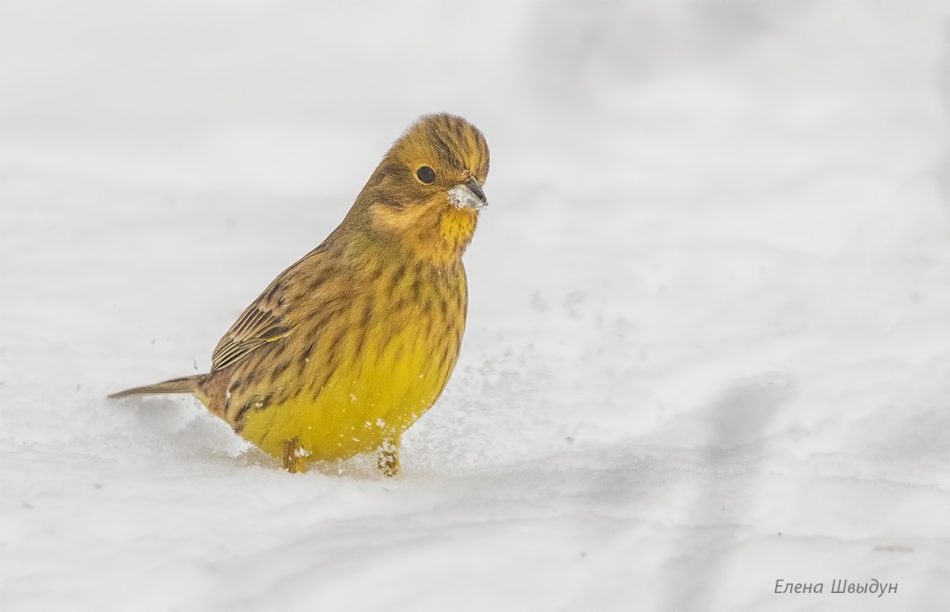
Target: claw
[(387, 457), (292, 461)]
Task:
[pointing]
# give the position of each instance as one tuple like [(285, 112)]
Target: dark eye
[(426, 174)]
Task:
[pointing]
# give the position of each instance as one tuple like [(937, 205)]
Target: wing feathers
[(262, 322), (268, 318)]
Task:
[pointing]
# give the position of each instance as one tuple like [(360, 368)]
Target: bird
[(354, 342)]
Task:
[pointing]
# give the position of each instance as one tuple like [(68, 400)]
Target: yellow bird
[(349, 346)]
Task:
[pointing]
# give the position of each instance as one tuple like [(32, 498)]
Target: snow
[(708, 338)]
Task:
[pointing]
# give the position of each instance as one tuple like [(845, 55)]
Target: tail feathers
[(187, 384)]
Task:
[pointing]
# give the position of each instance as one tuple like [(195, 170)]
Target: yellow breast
[(370, 372)]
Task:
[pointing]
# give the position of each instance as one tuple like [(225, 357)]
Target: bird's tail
[(187, 384)]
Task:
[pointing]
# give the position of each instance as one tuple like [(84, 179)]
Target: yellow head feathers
[(451, 146), (424, 196)]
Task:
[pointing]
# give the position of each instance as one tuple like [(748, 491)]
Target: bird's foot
[(293, 456), (387, 457)]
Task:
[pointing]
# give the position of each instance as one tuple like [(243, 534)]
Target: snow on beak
[(468, 195)]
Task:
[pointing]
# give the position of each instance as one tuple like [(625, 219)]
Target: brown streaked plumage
[(345, 349)]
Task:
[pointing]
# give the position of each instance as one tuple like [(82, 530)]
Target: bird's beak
[(468, 195)]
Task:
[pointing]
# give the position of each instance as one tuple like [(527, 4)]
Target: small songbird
[(349, 346)]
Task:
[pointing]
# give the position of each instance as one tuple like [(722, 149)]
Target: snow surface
[(709, 337)]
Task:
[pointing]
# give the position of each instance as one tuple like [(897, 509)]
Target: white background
[(709, 336)]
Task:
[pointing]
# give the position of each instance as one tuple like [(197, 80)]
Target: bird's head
[(426, 193)]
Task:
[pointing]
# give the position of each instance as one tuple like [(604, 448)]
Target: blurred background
[(707, 344)]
